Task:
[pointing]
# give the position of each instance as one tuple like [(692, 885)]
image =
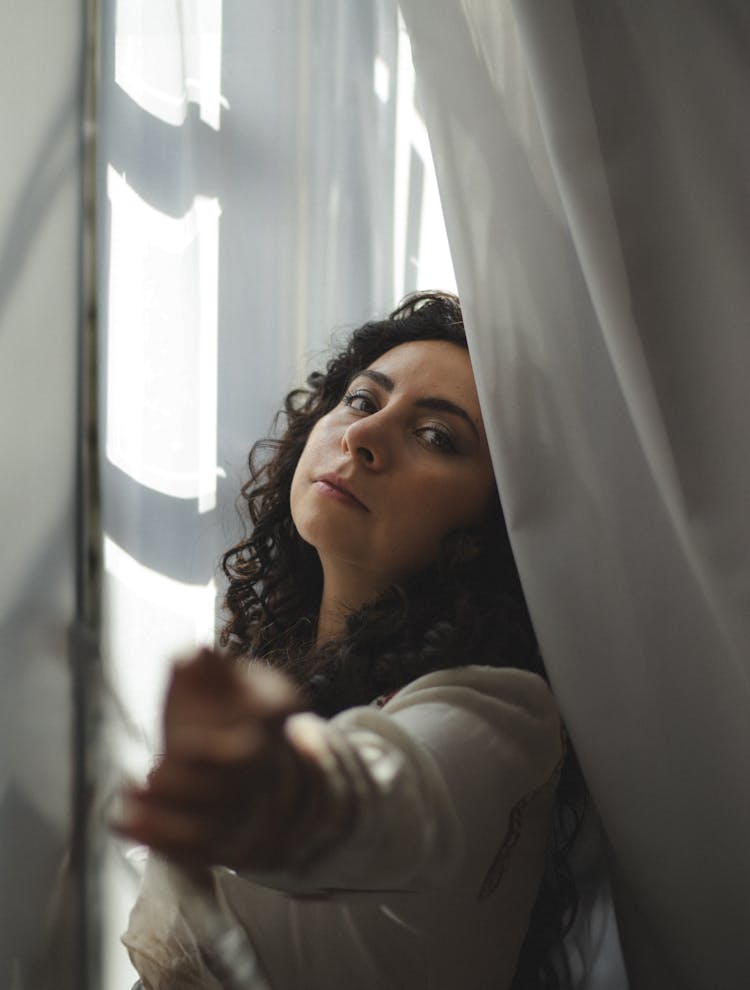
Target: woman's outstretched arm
[(401, 797), (231, 789)]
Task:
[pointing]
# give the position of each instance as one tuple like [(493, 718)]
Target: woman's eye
[(360, 401), (439, 438)]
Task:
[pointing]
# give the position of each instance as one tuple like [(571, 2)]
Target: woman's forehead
[(440, 358), (435, 364)]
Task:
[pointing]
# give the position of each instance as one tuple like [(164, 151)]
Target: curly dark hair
[(466, 607)]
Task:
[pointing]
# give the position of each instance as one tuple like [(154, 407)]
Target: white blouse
[(455, 780)]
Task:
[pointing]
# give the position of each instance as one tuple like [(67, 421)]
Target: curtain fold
[(592, 163)]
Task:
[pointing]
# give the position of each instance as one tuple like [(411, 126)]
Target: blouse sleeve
[(436, 775)]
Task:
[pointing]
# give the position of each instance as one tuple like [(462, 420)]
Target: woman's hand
[(230, 788)]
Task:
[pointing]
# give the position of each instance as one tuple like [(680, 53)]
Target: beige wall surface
[(40, 169)]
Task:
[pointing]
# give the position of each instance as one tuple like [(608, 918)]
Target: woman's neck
[(343, 593), (331, 622)]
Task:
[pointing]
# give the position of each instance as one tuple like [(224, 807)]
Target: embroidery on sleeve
[(383, 699), (515, 821)]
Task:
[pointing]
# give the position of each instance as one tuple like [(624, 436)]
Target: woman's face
[(401, 462)]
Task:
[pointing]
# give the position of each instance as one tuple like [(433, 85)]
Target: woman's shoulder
[(509, 685), (517, 706)]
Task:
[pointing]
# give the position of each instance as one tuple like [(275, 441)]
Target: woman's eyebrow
[(445, 405), (378, 377), (428, 402)]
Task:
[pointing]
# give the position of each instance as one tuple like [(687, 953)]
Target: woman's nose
[(365, 440)]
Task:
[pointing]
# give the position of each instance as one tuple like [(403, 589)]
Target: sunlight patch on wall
[(150, 619), (381, 79), (162, 344), (168, 54)]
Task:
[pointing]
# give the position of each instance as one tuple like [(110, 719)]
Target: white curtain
[(264, 179), (593, 164)]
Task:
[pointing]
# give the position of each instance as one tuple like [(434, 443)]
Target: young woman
[(411, 828)]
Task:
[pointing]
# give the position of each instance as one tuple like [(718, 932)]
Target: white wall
[(40, 48)]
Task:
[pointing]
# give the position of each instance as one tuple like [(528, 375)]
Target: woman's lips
[(335, 488)]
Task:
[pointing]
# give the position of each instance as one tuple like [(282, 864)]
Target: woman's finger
[(269, 694), (199, 839), (180, 835), (209, 689), (192, 787), (236, 742)]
